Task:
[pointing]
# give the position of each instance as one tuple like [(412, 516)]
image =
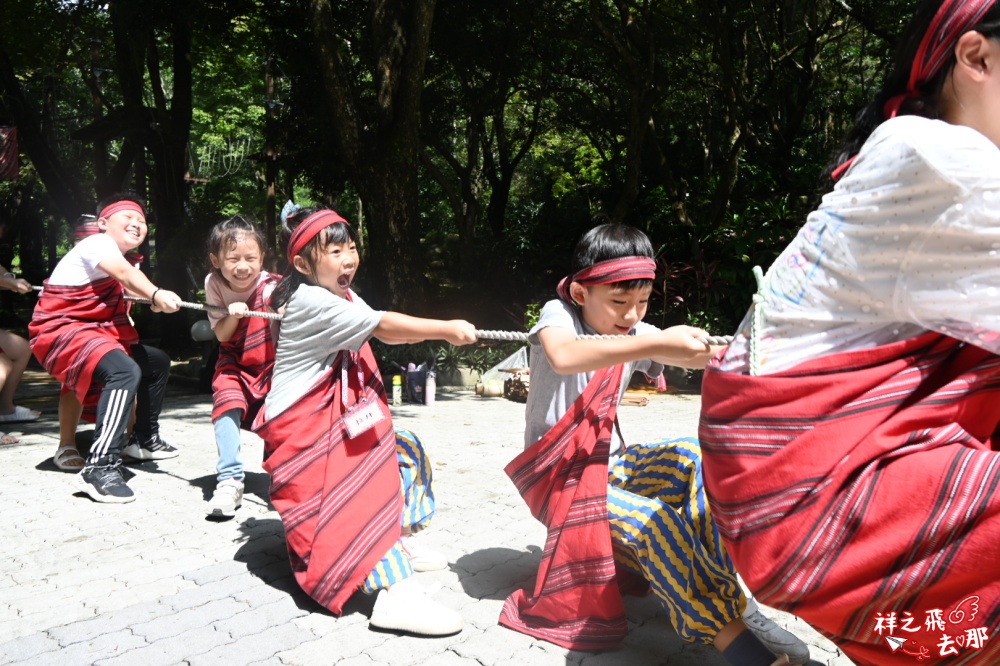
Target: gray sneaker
[(777, 640), (228, 497)]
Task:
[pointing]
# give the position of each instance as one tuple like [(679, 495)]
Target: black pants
[(140, 378)]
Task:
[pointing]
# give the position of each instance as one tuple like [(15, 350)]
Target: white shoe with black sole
[(155, 449)]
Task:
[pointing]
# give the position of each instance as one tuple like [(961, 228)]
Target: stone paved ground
[(155, 582)]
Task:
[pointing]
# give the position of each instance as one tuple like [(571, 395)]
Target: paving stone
[(265, 643), (167, 652), (259, 618), (190, 618), (109, 622), (91, 651), (26, 648)]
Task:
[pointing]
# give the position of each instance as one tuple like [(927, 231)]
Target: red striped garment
[(243, 372), (563, 477), (340, 499), (862, 486), (73, 327)]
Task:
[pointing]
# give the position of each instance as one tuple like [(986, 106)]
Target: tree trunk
[(382, 148), (60, 184)]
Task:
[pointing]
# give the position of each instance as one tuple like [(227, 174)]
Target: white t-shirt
[(316, 326), (79, 266), (908, 241), (551, 394)]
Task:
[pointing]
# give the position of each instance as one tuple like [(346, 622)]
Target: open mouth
[(344, 281)]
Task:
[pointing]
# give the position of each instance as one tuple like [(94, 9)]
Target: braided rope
[(523, 337), (197, 306), (214, 308), (512, 336)]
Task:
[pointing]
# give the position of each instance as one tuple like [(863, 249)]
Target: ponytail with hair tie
[(290, 208)]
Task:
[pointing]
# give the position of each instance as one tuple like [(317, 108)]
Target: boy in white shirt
[(81, 333)]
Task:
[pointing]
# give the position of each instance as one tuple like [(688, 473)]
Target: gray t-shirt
[(550, 393), (316, 326)]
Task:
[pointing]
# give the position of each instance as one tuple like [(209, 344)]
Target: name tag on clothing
[(362, 416)]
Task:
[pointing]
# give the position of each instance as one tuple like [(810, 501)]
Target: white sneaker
[(155, 449), (228, 497), (421, 557), (406, 607)]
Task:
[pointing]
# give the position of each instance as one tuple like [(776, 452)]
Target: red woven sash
[(563, 477), (339, 499)]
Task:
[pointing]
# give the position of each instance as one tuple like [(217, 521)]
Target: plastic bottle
[(397, 389), (430, 386)]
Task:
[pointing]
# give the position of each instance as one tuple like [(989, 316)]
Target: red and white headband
[(609, 272), (311, 226)]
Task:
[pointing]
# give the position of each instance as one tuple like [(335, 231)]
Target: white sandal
[(66, 454), (21, 414)]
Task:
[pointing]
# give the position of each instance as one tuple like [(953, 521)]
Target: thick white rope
[(512, 336), (199, 306), (523, 337)]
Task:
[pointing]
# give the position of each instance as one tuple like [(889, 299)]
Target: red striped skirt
[(859, 491)]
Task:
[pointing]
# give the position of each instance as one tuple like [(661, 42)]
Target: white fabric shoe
[(406, 607), (421, 557), (228, 497)]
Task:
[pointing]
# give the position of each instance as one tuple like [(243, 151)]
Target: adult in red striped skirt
[(246, 348), (81, 333), (634, 515), (849, 431), (351, 491)]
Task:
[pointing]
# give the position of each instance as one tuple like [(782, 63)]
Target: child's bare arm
[(682, 346), (226, 327), (136, 282), (395, 328), (685, 347)]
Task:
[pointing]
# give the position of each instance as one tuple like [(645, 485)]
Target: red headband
[(609, 272), (119, 206), (86, 229), (952, 19), (311, 226)]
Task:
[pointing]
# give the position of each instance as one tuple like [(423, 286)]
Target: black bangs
[(337, 233), (610, 241)]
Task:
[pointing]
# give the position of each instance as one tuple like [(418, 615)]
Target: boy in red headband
[(631, 515), (350, 489), (850, 431), (81, 333)]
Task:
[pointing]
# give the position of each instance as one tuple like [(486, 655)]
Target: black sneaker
[(104, 484), (154, 449)]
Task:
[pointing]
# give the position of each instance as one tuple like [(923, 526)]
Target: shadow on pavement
[(265, 556), (254, 483), (493, 573)]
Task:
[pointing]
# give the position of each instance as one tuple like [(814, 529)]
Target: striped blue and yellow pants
[(662, 530), (418, 509)]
